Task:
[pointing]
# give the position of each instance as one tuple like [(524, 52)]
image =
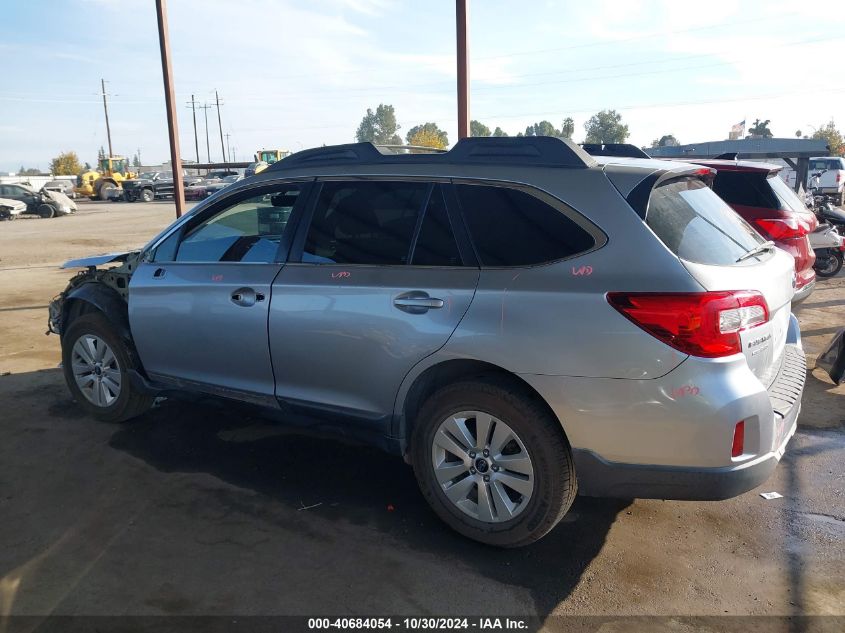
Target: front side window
[(364, 222), (510, 227), (697, 225), (248, 231)]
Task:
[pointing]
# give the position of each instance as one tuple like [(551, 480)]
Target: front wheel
[(147, 195), (106, 190), (96, 364), (46, 211), (828, 262), (493, 463)]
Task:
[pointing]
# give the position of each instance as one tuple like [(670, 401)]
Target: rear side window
[(696, 225), (510, 227), (745, 188), (364, 223)]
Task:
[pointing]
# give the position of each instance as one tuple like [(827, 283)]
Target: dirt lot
[(205, 508)]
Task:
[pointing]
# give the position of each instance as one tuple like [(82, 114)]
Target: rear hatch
[(724, 253)]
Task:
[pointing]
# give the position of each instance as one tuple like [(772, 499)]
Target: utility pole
[(461, 22), (170, 103), (194, 115), (140, 162), (228, 147), (204, 107), (106, 110), (220, 126)]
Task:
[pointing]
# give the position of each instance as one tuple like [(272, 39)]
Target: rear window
[(788, 198), (825, 163), (697, 225), (745, 188), (513, 228)]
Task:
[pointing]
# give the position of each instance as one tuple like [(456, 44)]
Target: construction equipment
[(270, 156), (106, 181)]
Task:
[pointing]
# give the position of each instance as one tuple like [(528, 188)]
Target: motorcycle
[(824, 210), (829, 247)]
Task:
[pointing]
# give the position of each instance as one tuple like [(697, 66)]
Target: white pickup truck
[(832, 180)]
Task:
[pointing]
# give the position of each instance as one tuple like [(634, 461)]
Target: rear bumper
[(804, 291), (670, 437), (600, 478)]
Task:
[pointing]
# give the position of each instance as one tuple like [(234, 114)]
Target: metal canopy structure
[(795, 152)]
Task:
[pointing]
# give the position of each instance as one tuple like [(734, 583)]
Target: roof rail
[(727, 156), (625, 150), (544, 151), (412, 149)]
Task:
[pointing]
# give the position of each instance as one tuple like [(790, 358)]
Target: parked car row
[(209, 186), (47, 203), (519, 320)]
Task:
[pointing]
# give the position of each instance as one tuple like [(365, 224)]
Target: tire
[(115, 405), (105, 189), (46, 211), (834, 262), (128, 197), (539, 437), (147, 195)]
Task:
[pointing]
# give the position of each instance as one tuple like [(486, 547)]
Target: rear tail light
[(706, 324), (782, 228), (738, 445)]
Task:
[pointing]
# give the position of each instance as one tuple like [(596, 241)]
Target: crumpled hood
[(97, 260), (59, 197)]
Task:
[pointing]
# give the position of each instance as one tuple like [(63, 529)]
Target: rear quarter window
[(510, 227), (697, 225)]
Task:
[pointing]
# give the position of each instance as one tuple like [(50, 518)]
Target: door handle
[(417, 302), (159, 273), (246, 297)]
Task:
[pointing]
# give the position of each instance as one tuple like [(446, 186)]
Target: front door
[(380, 284), (198, 311)]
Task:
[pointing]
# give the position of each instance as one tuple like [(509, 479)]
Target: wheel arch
[(422, 382)]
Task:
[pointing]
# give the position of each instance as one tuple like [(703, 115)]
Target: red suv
[(756, 192)]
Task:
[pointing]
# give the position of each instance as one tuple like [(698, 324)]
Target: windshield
[(697, 225), (788, 198), (147, 175)]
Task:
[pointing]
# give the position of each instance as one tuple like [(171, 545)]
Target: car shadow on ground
[(357, 484)]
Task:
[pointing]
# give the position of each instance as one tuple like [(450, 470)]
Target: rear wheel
[(493, 463), (106, 190), (96, 362), (46, 211), (828, 263)]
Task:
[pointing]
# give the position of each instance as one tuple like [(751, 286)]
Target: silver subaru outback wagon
[(518, 320)]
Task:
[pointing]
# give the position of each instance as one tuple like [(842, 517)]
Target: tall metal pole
[(170, 104), (462, 20), (106, 110), (194, 114), (220, 126), (228, 147), (204, 107)]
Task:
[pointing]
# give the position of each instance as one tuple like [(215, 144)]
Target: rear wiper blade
[(765, 246)]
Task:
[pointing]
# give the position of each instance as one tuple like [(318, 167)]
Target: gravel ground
[(207, 508)]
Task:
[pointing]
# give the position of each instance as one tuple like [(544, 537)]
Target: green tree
[(567, 128), (477, 128), (667, 140), (543, 128), (499, 132), (28, 171), (833, 137), (101, 154), (760, 129), (379, 127), (606, 127), (136, 161), (65, 164), (427, 134)]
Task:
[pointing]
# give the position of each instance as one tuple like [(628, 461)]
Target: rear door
[(376, 283), (709, 238), (198, 311)]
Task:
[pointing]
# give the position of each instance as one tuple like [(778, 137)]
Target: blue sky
[(296, 73)]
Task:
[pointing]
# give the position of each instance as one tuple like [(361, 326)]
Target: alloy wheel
[(482, 466), (96, 370)]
